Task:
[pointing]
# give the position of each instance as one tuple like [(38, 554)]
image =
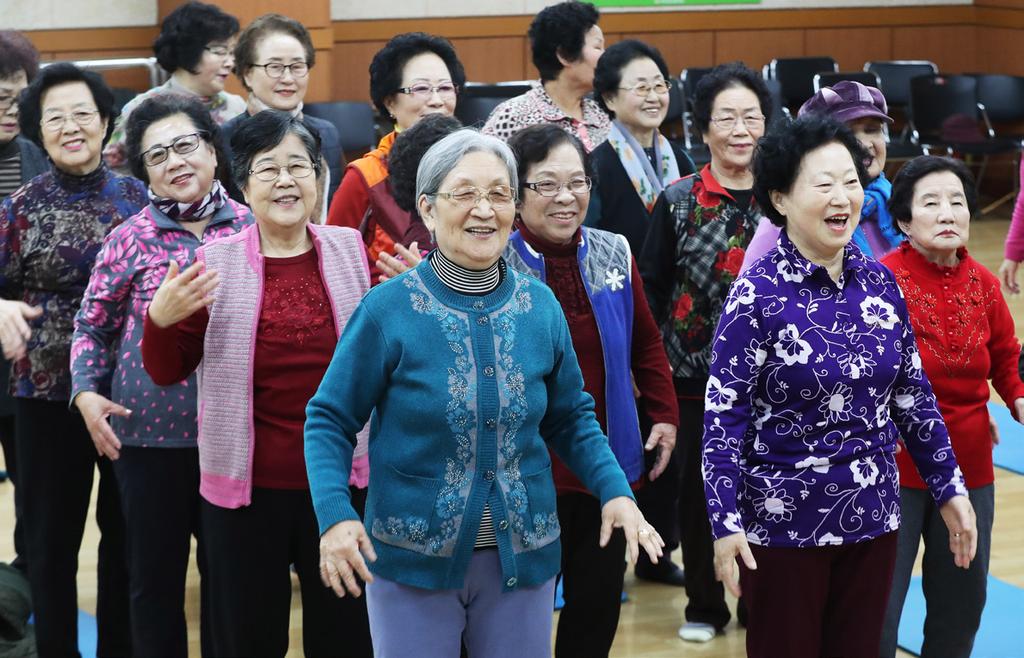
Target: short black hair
[(780, 153), (407, 151), (17, 54), (30, 103), (264, 26), (159, 107), (902, 200), (720, 78), (608, 74), (532, 144), (560, 29), (262, 132), (388, 64), (186, 32)]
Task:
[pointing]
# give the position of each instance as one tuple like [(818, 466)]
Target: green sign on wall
[(666, 3)]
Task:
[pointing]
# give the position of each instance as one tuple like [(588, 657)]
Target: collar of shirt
[(853, 260), (930, 271), (553, 113)]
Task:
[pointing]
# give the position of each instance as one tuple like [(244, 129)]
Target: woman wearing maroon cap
[(864, 110)]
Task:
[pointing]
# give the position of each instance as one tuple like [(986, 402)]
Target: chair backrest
[(689, 78), (828, 79), (796, 76), (676, 101), (477, 101), (934, 98), (895, 77), (1002, 96), (354, 121), (780, 113)]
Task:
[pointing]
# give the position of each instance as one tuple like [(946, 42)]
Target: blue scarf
[(876, 199)]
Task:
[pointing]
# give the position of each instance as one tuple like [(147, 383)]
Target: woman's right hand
[(1008, 277), (14, 330), (726, 550), (342, 551), (182, 293), (404, 259), (95, 410), (958, 515)]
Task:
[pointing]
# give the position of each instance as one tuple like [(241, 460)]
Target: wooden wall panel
[(1000, 50), (942, 44), (350, 65), (681, 49), (757, 47), (1012, 4), (851, 47), (493, 59)]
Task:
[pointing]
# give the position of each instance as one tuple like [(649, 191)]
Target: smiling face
[(9, 90), (74, 148), (555, 218), (284, 93), (407, 109), (471, 236), (640, 114), (940, 218), (733, 147), (286, 202), (870, 133), (184, 178), (823, 205)]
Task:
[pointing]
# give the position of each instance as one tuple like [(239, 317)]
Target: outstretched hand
[(344, 549), (182, 293)]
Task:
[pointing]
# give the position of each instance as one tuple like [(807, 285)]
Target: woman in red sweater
[(966, 337)]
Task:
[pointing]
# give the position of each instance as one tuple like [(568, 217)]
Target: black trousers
[(591, 579), (248, 553), (56, 462), (10, 449), (706, 596), (160, 498)]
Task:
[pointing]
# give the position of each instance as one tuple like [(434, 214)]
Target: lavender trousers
[(408, 621)]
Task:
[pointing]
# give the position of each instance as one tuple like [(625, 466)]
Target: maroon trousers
[(821, 602)]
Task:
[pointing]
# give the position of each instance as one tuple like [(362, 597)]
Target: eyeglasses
[(55, 123), (219, 51), (728, 123), (8, 105), (444, 90), (642, 89), (467, 197), (577, 186), (271, 172), (276, 69), (182, 145)]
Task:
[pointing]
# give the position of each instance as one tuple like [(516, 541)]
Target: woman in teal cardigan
[(469, 372)]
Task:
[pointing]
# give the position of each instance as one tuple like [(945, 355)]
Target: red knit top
[(966, 337), (651, 373)]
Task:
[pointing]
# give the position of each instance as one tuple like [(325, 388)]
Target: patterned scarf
[(196, 211), (647, 183), (876, 200)]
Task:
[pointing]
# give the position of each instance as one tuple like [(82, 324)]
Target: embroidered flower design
[(776, 504), (788, 272), (762, 412), (719, 398), (683, 307), (732, 522), (742, 292), (757, 535), (877, 312), (865, 473), (790, 347), (836, 405), (857, 363), (729, 262), (614, 278)]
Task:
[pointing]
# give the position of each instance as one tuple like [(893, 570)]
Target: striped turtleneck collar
[(466, 281)]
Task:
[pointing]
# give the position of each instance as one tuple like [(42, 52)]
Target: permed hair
[(264, 131), (560, 29), (720, 78), (388, 65), (267, 24), (901, 202), (17, 54), (30, 104), (407, 152), (780, 154), (186, 32), (608, 74), (533, 144)]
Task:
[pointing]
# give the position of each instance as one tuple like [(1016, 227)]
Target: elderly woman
[(273, 59), (173, 146), (412, 76), (284, 291), (699, 228), (815, 375), (196, 46), (933, 200), (637, 162), (864, 111), (566, 43), (469, 371), (596, 281), (50, 232), (20, 162)]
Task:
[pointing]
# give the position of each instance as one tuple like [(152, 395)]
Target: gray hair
[(442, 157)]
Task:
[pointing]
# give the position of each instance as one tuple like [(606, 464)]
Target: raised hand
[(182, 293)]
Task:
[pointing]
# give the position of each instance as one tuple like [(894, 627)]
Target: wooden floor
[(649, 621)]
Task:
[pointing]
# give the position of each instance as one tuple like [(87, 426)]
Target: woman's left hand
[(1018, 409), (958, 514), (663, 437), (622, 512), (404, 259)]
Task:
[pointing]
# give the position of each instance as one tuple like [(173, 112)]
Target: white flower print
[(881, 415), (836, 405), (742, 292), (776, 505), (892, 522), (865, 473), (613, 279), (760, 356), (816, 464), (828, 539), (719, 398), (958, 481), (915, 360), (790, 347), (757, 535), (857, 363), (876, 312), (788, 273), (732, 522), (762, 412)]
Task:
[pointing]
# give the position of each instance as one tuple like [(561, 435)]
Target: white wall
[(68, 14)]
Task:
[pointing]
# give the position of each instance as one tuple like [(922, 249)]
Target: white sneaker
[(697, 632)]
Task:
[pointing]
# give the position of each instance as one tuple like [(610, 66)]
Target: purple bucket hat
[(847, 101)]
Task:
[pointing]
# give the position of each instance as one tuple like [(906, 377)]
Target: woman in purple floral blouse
[(814, 376), (173, 145)]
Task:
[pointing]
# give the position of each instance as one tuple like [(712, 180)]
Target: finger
[(993, 431), (366, 548), (334, 580), (30, 312), (606, 530), (324, 577), (728, 576), (172, 271), (387, 264), (410, 255), (118, 410), (349, 578), (21, 326), (632, 545), (192, 271), (664, 454), (652, 441), (747, 556), (358, 564)]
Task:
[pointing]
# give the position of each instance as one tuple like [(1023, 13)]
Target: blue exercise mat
[(1009, 454), (86, 634), (999, 635)]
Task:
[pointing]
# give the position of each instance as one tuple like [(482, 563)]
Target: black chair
[(895, 76), (866, 78), (688, 80), (477, 101), (1002, 96), (780, 113), (796, 76), (354, 121), (674, 117)]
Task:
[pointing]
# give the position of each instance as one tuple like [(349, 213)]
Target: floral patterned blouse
[(692, 254), (50, 232), (106, 352), (811, 384), (536, 106)]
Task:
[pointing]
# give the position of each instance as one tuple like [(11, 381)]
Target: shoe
[(665, 572), (693, 631)]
